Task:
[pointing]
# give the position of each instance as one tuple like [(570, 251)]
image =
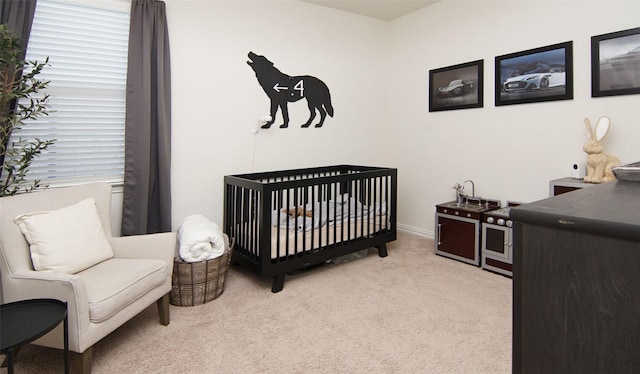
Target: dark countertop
[(609, 209)]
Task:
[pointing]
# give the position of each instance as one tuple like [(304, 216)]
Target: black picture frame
[(456, 87), (615, 63), (535, 75)]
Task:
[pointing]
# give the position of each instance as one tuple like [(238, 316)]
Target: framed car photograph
[(456, 87), (535, 75), (615, 63)]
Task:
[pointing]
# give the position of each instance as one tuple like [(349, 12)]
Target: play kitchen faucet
[(460, 196)]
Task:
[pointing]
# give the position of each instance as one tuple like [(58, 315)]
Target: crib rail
[(307, 215)]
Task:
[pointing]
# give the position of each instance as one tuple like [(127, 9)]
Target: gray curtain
[(18, 15), (147, 178)]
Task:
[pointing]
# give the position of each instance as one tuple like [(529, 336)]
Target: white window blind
[(86, 42)]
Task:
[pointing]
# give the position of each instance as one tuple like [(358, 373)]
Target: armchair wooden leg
[(82, 361), (163, 309)]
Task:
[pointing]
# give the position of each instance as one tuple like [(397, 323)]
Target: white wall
[(510, 152), (378, 76), (217, 101)]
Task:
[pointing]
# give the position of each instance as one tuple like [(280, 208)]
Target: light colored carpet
[(411, 312)]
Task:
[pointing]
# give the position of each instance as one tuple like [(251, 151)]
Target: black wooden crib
[(290, 220)]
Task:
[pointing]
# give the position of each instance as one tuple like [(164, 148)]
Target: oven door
[(497, 242)]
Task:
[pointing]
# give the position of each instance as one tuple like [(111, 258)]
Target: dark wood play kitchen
[(475, 230), (479, 231)]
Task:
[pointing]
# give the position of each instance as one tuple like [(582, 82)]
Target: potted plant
[(21, 101)]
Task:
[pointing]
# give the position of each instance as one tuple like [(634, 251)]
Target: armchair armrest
[(160, 246), (42, 284)]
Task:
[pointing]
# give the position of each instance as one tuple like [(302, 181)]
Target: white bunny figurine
[(599, 164)]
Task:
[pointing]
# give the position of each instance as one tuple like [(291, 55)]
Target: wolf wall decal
[(283, 89)]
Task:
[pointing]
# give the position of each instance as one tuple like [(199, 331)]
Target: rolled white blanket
[(200, 239)]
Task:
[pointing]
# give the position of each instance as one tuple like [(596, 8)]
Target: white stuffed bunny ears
[(602, 128)]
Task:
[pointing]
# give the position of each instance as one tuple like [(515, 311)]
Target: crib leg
[(382, 250), (278, 283)]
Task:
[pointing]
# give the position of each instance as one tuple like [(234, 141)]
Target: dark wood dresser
[(576, 282)]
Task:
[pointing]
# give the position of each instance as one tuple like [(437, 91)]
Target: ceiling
[(382, 9)]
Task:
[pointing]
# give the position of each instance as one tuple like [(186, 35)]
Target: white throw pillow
[(66, 240)]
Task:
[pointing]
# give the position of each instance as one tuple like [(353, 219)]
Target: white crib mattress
[(298, 241)]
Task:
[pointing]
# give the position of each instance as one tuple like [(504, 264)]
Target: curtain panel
[(18, 15), (147, 179)]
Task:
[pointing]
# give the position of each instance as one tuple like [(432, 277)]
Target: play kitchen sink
[(470, 206), (458, 225)]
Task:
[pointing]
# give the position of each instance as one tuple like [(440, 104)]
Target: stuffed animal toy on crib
[(297, 212), (599, 164)]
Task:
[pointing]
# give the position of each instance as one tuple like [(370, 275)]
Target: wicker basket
[(196, 283)]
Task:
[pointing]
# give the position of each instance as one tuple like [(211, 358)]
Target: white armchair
[(100, 298)]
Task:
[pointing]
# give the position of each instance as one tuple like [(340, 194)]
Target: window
[(86, 42)]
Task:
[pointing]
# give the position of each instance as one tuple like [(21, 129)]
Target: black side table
[(24, 321)]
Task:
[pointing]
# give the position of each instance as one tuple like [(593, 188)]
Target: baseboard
[(416, 230)]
